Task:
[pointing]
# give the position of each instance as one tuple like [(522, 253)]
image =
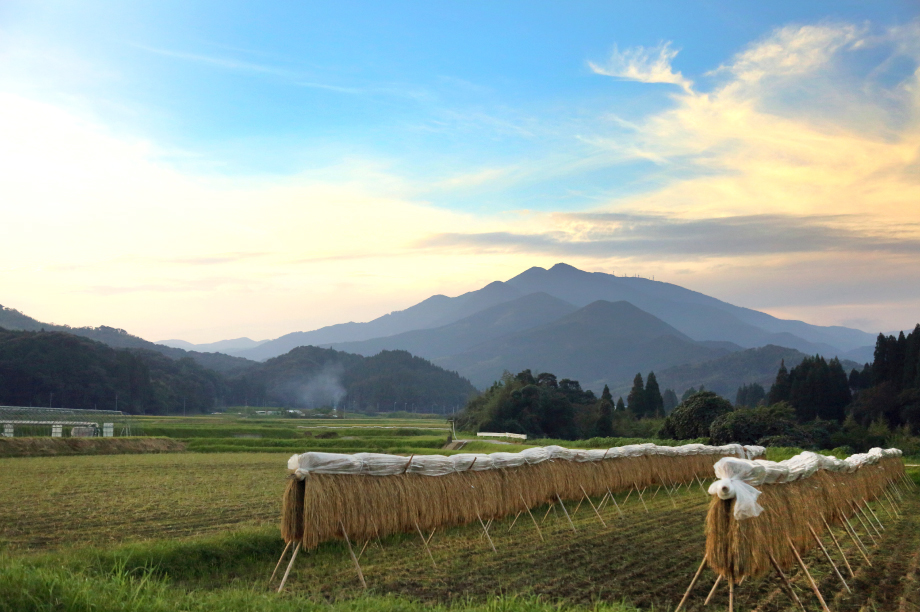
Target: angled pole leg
[(811, 580), (692, 584), (288, 570), (280, 559), (788, 584)]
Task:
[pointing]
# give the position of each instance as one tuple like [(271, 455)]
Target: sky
[(205, 170)]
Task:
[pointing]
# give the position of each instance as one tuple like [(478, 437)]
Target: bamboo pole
[(712, 591), (705, 492), (891, 503), (839, 548), (811, 580), (692, 583), (363, 548), (514, 521), (873, 515), (643, 500), (487, 533), (575, 511), (882, 499), (540, 533), (425, 543), (280, 559), (353, 557), (627, 496), (669, 491), (614, 501), (551, 506), (785, 580), (865, 526), (599, 517), (862, 512), (566, 513), (853, 536), (288, 570), (829, 560)]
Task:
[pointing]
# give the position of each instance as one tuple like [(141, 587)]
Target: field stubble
[(645, 558)]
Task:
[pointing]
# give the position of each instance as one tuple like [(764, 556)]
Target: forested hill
[(725, 374), (14, 320), (64, 370), (309, 377)]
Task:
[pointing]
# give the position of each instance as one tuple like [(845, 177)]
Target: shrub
[(750, 425), (694, 416)]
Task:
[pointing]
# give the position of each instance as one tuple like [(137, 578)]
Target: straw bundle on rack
[(371, 496), (738, 547)]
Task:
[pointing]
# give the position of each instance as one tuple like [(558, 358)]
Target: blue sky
[(432, 128)]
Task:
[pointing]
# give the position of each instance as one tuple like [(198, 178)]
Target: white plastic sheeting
[(738, 477), (375, 464)]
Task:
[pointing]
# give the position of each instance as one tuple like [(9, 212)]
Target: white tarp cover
[(376, 464), (738, 477)]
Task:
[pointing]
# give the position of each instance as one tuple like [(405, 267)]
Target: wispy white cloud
[(644, 64), (293, 76), (793, 50)]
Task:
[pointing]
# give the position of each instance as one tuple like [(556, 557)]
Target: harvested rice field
[(203, 528)]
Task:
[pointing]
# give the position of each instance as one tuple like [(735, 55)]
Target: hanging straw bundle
[(746, 526), (367, 495)]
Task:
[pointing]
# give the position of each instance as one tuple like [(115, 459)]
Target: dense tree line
[(62, 370), (59, 369), (816, 404), (815, 388), (542, 406)]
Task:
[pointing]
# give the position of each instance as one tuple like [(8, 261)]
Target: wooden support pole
[(731, 595), (540, 533), (692, 583), (871, 512), (288, 570), (599, 517), (862, 512), (666, 489), (551, 506), (785, 580), (575, 511), (811, 580), (516, 516), (897, 489), (656, 491), (566, 513), (839, 548), (855, 537), (487, 533), (712, 591), (627, 496), (865, 526), (614, 501), (891, 503), (428, 541), (363, 548), (828, 555), (425, 543), (353, 557), (705, 492), (643, 500), (882, 500), (280, 559)]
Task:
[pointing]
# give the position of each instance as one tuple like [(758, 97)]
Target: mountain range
[(595, 327)]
